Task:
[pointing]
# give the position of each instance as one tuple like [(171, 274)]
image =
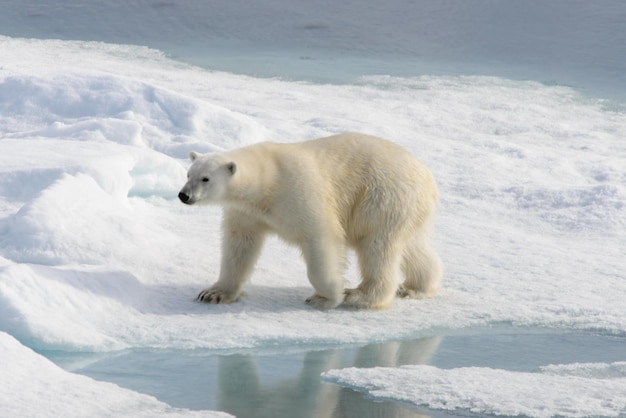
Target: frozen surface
[(97, 255), (32, 385), (569, 390)]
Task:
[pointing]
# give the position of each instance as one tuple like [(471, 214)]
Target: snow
[(32, 385), (92, 162), (97, 254), (576, 390)]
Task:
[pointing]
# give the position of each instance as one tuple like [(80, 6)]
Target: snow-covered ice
[(571, 390), (531, 223), (97, 254)]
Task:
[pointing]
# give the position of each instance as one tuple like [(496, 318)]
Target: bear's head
[(207, 178)]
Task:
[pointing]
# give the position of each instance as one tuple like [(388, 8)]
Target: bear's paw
[(406, 293), (357, 298), (216, 295), (320, 302)]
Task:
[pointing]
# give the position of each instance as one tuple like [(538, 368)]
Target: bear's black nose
[(183, 197)]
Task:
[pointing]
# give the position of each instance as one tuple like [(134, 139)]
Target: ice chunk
[(493, 391), (31, 385)]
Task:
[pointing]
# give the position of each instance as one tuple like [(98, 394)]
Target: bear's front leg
[(241, 247)]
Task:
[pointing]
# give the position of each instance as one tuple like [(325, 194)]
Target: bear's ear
[(232, 167), (193, 155)]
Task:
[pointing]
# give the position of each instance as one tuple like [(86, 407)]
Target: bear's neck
[(254, 186), (251, 200)]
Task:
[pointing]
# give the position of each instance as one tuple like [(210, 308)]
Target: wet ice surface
[(100, 264), (280, 382)]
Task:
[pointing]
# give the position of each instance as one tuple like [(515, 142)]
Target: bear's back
[(367, 160)]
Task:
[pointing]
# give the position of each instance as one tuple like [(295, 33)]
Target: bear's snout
[(183, 197)]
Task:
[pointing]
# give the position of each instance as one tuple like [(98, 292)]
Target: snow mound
[(98, 107)]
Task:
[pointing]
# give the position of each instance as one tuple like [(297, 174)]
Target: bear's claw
[(405, 293), (214, 296)]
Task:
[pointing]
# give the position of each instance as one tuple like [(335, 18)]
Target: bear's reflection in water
[(242, 392)]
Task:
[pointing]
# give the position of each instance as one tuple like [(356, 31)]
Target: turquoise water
[(285, 381)]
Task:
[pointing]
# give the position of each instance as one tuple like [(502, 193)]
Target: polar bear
[(327, 195)]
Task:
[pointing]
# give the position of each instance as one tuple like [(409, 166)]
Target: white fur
[(325, 196)]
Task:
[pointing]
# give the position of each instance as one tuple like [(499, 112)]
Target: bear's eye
[(205, 179)]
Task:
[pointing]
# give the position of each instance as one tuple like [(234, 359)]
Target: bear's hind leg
[(325, 262), (422, 270), (379, 261)]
